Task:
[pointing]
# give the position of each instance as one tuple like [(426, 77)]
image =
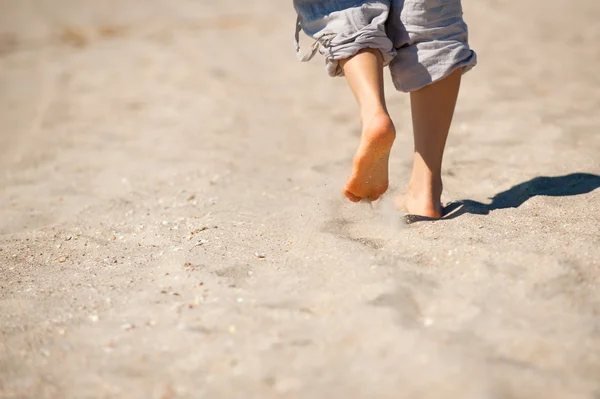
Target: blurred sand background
[(172, 226)]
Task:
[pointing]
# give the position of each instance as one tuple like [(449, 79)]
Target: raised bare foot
[(369, 178), (422, 199)]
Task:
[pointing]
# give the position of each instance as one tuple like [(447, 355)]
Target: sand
[(172, 223)]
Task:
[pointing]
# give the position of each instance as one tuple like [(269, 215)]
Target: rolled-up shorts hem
[(336, 54), (355, 25), (411, 84), (418, 52)]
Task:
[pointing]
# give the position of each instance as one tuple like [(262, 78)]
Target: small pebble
[(198, 244)]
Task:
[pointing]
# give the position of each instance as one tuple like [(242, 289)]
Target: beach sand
[(172, 223)]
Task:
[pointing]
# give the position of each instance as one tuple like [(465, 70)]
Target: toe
[(351, 196)]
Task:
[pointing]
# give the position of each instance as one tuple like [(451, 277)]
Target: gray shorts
[(422, 40)]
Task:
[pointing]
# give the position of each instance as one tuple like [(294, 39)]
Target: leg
[(433, 53), (369, 178), (432, 110)]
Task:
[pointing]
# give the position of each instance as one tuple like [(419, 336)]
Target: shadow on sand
[(559, 186)]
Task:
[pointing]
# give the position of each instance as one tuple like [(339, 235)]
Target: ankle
[(429, 186), (367, 114), (379, 127)]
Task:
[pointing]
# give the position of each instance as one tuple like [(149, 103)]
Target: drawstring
[(324, 41)]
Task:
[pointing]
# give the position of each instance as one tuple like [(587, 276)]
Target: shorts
[(422, 41)]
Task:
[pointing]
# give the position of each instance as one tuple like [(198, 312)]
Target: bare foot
[(369, 179), (422, 199)]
